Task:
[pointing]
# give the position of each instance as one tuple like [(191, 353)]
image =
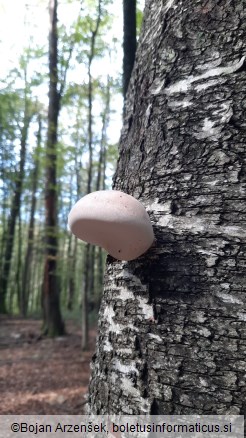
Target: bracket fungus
[(113, 220)]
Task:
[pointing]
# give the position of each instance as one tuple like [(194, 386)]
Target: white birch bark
[(172, 336)]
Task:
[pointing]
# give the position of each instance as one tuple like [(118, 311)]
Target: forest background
[(89, 38)]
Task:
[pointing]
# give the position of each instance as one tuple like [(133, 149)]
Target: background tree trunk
[(129, 40), (28, 257), (172, 323), (89, 254), (53, 324)]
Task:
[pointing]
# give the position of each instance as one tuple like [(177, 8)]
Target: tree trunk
[(87, 255), (18, 267), (71, 274), (100, 185), (28, 257), (129, 40), (172, 322), (53, 324)]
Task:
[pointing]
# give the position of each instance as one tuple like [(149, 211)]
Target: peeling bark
[(172, 337)]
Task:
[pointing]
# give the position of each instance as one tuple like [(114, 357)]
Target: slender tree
[(100, 185), (129, 40), (172, 322), (73, 242), (53, 324), (24, 299), (88, 262)]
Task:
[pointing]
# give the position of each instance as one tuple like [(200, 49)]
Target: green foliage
[(24, 91), (139, 20)]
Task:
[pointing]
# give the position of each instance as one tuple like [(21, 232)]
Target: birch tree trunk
[(172, 323)]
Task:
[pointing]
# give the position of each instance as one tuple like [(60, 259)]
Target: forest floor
[(39, 375)]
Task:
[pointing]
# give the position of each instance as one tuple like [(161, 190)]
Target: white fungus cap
[(113, 220)]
